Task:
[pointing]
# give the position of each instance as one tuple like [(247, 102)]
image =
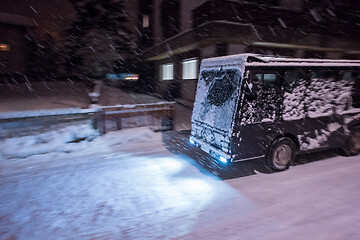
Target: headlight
[(223, 159)]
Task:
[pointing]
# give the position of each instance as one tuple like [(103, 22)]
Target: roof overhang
[(204, 35), (17, 20), (214, 32)]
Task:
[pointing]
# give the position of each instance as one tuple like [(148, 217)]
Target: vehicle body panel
[(311, 101)]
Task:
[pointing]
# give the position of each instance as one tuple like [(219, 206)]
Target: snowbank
[(73, 139)]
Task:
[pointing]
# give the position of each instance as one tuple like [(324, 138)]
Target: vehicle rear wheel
[(281, 154), (352, 147)]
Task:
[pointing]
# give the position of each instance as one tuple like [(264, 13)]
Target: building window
[(167, 71), (4, 47), (145, 21), (190, 69)]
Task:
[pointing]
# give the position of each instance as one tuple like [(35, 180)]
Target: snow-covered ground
[(138, 184)]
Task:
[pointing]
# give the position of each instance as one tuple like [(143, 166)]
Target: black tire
[(352, 146), (281, 154)]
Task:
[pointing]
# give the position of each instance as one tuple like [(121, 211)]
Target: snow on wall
[(23, 123), (51, 141), (45, 112), (64, 141)]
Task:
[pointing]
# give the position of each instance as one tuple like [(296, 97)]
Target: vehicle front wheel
[(281, 154), (352, 147)]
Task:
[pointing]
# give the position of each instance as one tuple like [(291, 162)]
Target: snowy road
[(145, 190)]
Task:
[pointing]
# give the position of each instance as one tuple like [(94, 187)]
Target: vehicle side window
[(292, 79), (258, 76), (347, 75), (322, 74), (269, 81), (262, 81)]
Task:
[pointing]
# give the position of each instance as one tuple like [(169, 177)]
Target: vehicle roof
[(249, 59)]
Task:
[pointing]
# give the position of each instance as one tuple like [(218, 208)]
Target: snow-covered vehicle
[(250, 106)]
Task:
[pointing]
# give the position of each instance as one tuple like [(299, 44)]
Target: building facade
[(173, 35), (13, 29), (22, 20)]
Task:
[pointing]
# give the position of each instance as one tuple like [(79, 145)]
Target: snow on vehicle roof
[(225, 60), (250, 59)]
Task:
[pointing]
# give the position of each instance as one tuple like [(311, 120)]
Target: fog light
[(192, 141), (223, 159)]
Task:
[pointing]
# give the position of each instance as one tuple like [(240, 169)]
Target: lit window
[(145, 21), (167, 71), (190, 69), (4, 47)]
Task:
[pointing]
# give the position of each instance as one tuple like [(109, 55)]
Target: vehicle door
[(259, 112)]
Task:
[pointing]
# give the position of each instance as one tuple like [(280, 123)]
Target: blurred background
[(163, 41)]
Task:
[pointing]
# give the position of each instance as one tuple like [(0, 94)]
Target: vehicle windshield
[(216, 97)]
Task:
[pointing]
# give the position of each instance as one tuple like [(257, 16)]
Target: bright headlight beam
[(223, 159)]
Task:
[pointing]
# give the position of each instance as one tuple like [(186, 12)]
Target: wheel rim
[(282, 155)]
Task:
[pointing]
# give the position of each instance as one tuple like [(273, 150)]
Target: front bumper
[(217, 153)]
